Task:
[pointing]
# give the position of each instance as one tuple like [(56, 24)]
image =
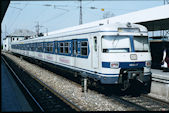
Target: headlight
[(148, 63), (114, 65)]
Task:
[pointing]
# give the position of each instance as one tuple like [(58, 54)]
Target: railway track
[(42, 96), (137, 103), (142, 103)]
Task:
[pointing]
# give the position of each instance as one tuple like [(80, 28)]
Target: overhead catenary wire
[(16, 8), (59, 7), (58, 21), (18, 16), (36, 18), (49, 5), (49, 20)]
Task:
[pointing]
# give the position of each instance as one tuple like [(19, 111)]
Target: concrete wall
[(160, 89)]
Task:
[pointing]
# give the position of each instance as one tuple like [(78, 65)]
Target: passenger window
[(66, 47), (40, 47), (32, 47), (27, 46), (49, 47), (95, 44), (84, 48), (23, 46), (61, 47)]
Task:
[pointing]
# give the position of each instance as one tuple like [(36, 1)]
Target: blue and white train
[(107, 53)]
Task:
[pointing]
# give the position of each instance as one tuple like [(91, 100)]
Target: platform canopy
[(4, 8), (156, 18)]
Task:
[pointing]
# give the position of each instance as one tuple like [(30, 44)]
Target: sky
[(55, 15)]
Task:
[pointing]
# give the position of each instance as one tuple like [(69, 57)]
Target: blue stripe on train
[(125, 64)]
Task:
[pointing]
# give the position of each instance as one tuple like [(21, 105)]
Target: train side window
[(51, 47), (61, 47), (40, 47), (84, 48), (23, 46), (32, 46), (20, 46), (66, 47), (27, 46), (47, 47), (95, 44)]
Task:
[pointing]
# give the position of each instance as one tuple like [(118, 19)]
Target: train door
[(95, 55), (75, 51)]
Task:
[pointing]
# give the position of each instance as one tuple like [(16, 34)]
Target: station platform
[(12, 99), (160, 84), (160, 75)]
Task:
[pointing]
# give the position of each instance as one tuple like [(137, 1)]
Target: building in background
[(19, 34)]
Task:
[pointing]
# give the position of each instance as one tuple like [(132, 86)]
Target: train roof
[(100, 25), (82, 29)]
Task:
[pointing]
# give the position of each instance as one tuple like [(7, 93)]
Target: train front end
[(126, 57)]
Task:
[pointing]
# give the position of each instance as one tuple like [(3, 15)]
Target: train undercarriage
[(134, 79)]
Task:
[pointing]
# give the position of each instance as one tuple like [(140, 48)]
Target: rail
[(33, 98), (60, 96)]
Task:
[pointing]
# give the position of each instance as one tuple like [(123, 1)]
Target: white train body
[(104, 52)]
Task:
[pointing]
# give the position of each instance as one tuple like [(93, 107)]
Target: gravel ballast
[(90, 101)]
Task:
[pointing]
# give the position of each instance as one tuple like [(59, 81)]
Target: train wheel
[(147, 88), (125, 85)]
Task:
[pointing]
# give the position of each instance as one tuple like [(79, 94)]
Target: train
[(112, 54)]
